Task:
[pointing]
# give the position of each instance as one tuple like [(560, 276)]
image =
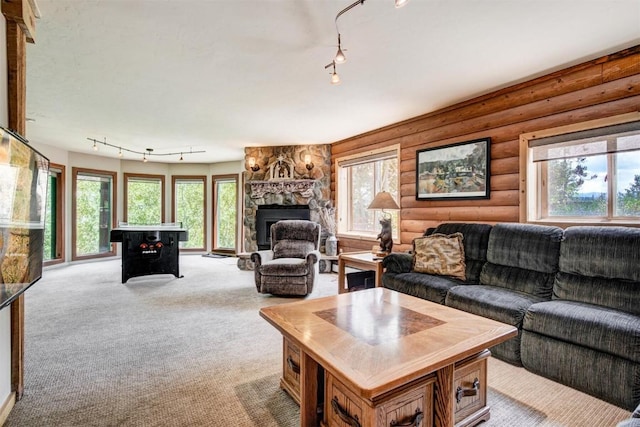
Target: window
[(189, 207), (54, 224), (143, 198), (585, 173), (93, 212), (360, 178), (225, 212)]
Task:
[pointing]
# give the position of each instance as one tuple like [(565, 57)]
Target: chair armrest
[(313, 256), (260, 257), (398, 262)]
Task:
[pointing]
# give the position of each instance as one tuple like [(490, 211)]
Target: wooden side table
[(359, 260)]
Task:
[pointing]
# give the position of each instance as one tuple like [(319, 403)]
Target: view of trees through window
[(582, 186), (93, 204), (365, 181), (189, 201), (50, 236), (144, 200), (226, 213)]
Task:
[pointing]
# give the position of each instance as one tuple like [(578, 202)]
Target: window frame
[(75, 171), (142, 176), (214, 216), (203, 178), (532, 186), (60, 212), (343, 201)]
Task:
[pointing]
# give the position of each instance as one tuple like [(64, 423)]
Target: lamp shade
[(384, 201)]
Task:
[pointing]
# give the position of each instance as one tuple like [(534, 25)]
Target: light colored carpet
[(161, 351)]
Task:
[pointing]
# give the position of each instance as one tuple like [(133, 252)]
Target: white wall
[(5, 313)]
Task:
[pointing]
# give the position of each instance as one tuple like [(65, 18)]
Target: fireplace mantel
[(302, 186)]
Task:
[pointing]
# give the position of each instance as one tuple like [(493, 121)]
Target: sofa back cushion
[(475, 241), (600, 265), (296, 229), (523, 257)]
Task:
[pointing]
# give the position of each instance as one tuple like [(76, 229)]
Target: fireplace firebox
[(267, 215)]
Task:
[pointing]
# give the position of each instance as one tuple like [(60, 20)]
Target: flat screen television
[(23, 195)]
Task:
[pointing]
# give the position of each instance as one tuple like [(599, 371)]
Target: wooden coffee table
[(378, 357)]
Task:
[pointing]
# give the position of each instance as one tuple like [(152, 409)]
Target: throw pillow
[(440, 254), (287, 248)]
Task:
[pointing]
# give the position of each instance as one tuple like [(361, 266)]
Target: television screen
[(23, 196)]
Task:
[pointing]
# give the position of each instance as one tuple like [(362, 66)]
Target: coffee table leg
[(308, 391), (444, 397)]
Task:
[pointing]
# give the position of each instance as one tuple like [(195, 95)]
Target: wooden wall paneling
[(603, 87), (622, 67)]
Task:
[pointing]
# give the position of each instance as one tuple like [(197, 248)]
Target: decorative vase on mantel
[(331, 245)]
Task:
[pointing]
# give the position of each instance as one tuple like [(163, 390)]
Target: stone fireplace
[(265, 185)]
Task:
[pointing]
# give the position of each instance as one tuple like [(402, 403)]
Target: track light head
[(340, 58), (401, 3)]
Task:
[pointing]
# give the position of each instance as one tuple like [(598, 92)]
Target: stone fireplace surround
[(309, 187)]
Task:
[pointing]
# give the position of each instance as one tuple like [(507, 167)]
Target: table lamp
[(384, 201)]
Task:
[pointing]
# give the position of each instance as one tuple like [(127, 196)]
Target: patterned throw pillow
[(440, 254)]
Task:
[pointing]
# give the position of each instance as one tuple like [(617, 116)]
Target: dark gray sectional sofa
[(573, 294)]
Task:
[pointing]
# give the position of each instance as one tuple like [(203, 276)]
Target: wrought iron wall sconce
[(253, 165), (308, 163)]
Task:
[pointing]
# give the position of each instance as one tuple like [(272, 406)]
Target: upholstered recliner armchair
[(291, 266)]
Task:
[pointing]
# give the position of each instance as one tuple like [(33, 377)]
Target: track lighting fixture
[(335, 78), (146, 155), (340, 58)]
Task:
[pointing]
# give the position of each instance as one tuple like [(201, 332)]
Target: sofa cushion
[(526, 246), (600, 265), (496, 303), (599, 328), (523, 258), (518, 279), (288, 248), (285, 267), (426, 286), (476, 239), (439, 254)]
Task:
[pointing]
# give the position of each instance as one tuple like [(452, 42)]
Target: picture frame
[(455, 171)]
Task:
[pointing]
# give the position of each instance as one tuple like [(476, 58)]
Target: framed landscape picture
[(455, 171)]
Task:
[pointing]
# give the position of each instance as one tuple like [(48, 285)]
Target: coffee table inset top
[(378, 340)]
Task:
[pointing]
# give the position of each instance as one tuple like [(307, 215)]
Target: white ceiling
[(221, 75)]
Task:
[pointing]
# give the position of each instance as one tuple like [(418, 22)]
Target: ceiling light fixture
[(340, 58), (146, 155), (335, 78)]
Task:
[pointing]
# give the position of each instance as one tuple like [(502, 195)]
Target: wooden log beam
[(20, 27)]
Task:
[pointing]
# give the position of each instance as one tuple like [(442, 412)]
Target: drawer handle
[(293, 365), (413, 422), (344, 415), (464, 392)]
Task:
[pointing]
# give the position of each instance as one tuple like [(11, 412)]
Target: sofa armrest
[(398, 262)]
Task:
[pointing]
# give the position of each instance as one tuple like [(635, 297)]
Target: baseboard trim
[(6, 408)]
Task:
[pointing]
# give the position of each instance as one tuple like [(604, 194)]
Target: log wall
[(599, 88)]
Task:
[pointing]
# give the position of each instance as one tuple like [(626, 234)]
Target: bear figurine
[(386, 239)]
